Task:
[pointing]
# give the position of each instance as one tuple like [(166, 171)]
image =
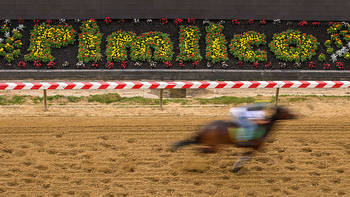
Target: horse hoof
[(235, 170)]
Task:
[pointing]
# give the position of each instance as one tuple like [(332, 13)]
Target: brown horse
[(222, 132)]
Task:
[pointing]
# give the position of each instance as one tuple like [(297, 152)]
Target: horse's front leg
[(241, 161), (247, 156)]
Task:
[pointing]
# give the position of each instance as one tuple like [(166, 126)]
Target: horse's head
[(282, 113)]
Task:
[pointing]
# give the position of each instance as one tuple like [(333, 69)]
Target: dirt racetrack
[(120, 151)]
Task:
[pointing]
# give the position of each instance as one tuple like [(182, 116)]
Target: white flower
[(1, 40), (136, 20), (80, 64), (222, 22), (7, 21), (209, 65), (7, 34), (346, 24), (149, 20), (334, 57), (224, 64), (65, 64), (77, 20), (21, 27), (339, 53), (277, 21), (206, 22), (282, 64), (62, 20), (153, 64), (297, 64), (138, 64)]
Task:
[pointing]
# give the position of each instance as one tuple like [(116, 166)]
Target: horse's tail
[(182, 143)]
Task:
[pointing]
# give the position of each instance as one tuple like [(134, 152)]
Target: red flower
[(195, 63), (164, 21), (36, 21), (239, 64), (48, 21), (108, 20), (181, 63), (21, 64), (268, 65), (340, 65), (95, 65), (51, 64), (312, 65), (235, 22), (20, 21), (178, 21), (191, 20), (263, 22), (302, 23), (316, 23), (109, 65), (37, 64), (124, 64), (256, 64), (326, 66), (168, 64), (251, 21)]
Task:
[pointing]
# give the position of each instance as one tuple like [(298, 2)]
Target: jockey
[(248, 119)]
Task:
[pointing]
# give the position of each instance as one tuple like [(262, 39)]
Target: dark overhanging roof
[(324, 10)]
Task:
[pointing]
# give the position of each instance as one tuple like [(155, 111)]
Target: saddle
[(237, 133)]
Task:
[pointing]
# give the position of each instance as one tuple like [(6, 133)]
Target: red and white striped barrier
[(170, 85)]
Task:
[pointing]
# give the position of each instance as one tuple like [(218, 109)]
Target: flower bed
[(117, 44), (90, 40), (216, 50), (156, 42), (189, 44), (340, 40), (293, 46), (241, 47), (10, 47), (160, 42), (46, 36)]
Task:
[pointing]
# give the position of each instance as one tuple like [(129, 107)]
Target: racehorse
[(223, 132)]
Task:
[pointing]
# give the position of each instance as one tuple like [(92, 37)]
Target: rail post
[(45, 101), (161, 99), (276, 96)]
